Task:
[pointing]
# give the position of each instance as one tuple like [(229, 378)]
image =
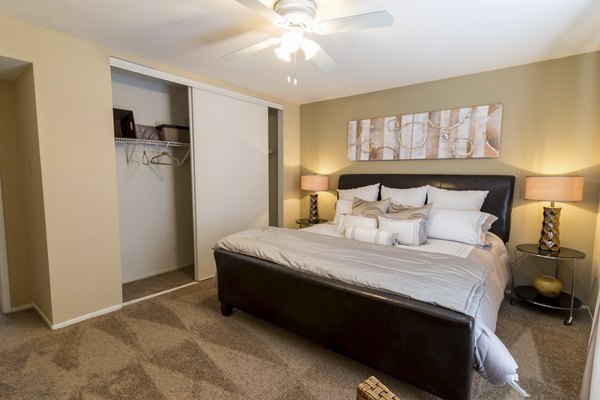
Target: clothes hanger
[(156, 159), (145, 160)]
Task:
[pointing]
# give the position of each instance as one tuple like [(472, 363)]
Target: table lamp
[(314, 183), (552, 188)]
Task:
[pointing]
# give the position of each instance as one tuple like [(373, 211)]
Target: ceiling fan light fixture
[(309, 48), (290, 42), (284, 55)]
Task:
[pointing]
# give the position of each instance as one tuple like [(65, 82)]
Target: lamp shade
[(554, 188), (314, 183)]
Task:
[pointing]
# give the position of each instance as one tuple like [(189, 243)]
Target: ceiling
[(429, 40)]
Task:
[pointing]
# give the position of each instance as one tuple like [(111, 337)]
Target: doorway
[(5, 306)]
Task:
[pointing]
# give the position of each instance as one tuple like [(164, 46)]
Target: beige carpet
[(178, 346), (157, 283)]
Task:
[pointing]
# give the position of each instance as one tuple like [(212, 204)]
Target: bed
[(423, 344)]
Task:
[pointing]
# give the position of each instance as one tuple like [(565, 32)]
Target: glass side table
[(564, 301), (304, 222)]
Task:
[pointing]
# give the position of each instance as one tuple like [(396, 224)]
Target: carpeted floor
[(178, 346), (157, 283)]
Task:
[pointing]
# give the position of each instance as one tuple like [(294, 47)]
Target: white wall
[(155, 201)]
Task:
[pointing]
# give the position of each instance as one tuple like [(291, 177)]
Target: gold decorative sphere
[(547, 285)]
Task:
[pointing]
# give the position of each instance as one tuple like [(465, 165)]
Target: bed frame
[(424, 345)]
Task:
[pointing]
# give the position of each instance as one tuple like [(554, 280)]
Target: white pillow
[(347, 220), (411, 197), (370, 235), (456, 199), (464, 226), (369, 193), (410, 232), (342, 207)]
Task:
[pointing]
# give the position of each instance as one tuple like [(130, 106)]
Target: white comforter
[(464, 278)]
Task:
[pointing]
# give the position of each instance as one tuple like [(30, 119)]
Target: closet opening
[(153, 160), (275, 167)]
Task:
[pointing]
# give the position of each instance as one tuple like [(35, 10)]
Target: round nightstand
[(563, 301), (304, 222)]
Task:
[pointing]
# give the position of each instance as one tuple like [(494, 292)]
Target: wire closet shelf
[(156, 159)]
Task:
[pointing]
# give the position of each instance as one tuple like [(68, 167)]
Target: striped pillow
[(399, 211), (369, 209), (409, 232), (370, 235)]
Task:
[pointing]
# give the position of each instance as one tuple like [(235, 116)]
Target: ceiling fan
[(297, 18)]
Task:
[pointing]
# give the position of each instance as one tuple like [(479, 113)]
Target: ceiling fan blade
[(377, 19), (246, 51), (324, 61), (260, 8)]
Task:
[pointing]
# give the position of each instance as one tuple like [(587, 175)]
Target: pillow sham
[(399, 211), (371, 209), (347, 220), (369, 193), (410, 232), (412, 197), (342, 207), (456, 199), (370, 235), (466, 226)]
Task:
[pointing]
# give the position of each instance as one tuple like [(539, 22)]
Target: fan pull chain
[(289, 77)]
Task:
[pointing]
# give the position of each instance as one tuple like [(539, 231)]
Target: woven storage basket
[(372, 389)]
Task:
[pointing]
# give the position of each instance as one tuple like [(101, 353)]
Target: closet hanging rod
[(151, 142)]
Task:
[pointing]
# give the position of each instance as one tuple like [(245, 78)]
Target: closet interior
[(153, 162)]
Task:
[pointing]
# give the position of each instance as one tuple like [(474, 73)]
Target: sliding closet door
[(231, 170)]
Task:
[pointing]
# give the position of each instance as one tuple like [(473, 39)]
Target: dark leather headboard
[(498, 201)]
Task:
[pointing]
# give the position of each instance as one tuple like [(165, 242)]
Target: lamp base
[(550, 242), (313, 216)]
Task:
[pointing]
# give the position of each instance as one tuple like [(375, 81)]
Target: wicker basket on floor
[(372, 389)]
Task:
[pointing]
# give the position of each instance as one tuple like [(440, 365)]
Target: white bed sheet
[(496, 258), (494, 361)]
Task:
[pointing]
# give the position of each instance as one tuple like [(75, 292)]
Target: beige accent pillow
[(370, 209), (399, 211)]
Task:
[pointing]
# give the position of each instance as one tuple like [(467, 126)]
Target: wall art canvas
[(468, 132)]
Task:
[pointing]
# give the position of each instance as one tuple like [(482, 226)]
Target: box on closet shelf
[(174, 133)]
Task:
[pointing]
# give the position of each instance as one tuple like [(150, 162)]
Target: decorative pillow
[(410, 232), (342, 207), (464, 226), (456, 199), (347, 220), (371, 209), (412, 197), (399, 211), (370, 235), (369, 193)]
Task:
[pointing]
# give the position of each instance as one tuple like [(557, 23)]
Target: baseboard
[(154, 273), (42, 315), (87, 316), (22, 307)]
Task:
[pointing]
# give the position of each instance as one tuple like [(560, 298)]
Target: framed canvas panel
[(468, 132)]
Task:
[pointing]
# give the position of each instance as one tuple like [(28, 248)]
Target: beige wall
[(13, 198), (74, 210), (31, 178), (551, 125)]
